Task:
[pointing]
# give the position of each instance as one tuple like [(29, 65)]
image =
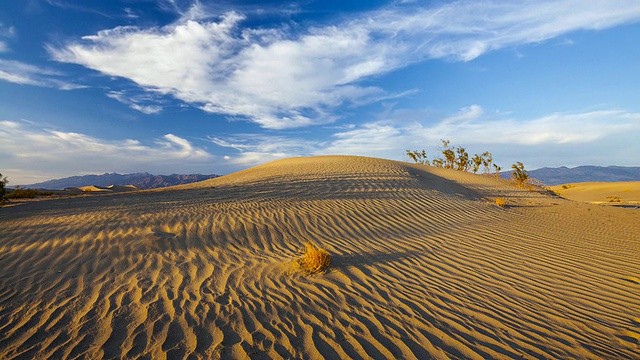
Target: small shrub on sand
[(313, 260), (615, 199), (501, 202), (519, 174)]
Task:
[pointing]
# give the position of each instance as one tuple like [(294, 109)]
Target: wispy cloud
[(130, 14), (146, 103), (6, 32), (592, 136), (25, 74), (558, 128), (464, 30), (256, 149), (29, 149), (280, 78), (38, 153)]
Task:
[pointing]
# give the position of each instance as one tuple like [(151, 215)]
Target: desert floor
[(424, 265), (623, 193)]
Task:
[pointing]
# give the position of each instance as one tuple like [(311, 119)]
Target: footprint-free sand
[(424, 266), (622, 193)]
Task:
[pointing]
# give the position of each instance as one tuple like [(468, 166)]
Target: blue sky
[(172, 86)]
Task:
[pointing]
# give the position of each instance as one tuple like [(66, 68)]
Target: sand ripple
[(424, 266)]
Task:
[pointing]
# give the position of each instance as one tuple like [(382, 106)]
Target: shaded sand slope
[(424, 266), (612, 193)]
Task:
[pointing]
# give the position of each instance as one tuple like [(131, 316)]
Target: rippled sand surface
[(424, 265)]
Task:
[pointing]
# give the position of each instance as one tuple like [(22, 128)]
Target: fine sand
[(625, 193), (424, 265)]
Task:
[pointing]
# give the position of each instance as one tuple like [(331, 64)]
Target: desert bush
[(501, 202), (453, 158), (3, 190), (437, 162), (20, 193), (3, 183), (487, 162), (615, 199), (420, 157), (449, 154), (519, 174), (476, 160), (458, 158), (462, 161), (313, 260), (497, 170)]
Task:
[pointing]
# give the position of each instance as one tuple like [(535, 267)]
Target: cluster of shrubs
[(18, 192), (458, 158)]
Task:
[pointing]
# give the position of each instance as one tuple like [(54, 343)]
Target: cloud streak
[(592, 135), (137, 102), (279, 78), (25, 74), (40, 154)]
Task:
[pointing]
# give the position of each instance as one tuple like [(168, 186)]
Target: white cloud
[(404, 129), (464, 30), (25, 74), (281, 79), (257, 149), (558, 128), (464, 116), (136, 101), (130, 14), (32, 154), (558, 139), (376, 139), (6, 32)]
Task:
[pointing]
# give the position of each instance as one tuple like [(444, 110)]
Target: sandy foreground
[(424, 265)]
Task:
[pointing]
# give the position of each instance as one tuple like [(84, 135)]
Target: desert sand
[(424, 265), (625, 193)]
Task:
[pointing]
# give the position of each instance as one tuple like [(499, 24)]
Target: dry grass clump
[(313, 260), (501, 202)]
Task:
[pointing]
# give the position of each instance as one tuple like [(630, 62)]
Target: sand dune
[(610, 193), (425, 265), (106, 189)]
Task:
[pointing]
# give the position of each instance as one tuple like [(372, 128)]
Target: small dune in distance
[(414, 262), (622, 193)]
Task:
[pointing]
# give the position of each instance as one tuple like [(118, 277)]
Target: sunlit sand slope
[(425, 265), (610, 193)]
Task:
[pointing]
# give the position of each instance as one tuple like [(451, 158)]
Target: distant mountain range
[(549, 176), (139, 180), (565, 175)]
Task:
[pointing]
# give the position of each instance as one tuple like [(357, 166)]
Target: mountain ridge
[(140, 180), (585, 173)]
